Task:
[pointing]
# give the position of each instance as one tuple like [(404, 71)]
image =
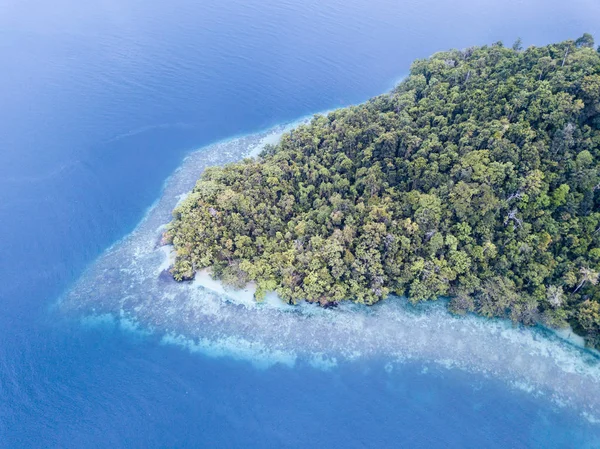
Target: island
[(476, 179)]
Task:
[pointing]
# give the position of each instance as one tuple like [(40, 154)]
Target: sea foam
[(128, 287)]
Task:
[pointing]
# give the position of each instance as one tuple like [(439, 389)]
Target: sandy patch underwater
[(128, 287)]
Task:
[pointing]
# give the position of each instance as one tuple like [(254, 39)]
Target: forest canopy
[(477, 178)]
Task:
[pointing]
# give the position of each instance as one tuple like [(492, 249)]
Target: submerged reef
[(129, 286)]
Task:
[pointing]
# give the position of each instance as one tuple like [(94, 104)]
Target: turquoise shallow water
[(101, 102)]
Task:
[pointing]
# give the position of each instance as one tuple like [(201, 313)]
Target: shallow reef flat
[(129, 286)]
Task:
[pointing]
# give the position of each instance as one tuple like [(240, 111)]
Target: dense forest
[(477, 179)]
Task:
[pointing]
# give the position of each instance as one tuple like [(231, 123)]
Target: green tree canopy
[(477, 178), (587, 40)]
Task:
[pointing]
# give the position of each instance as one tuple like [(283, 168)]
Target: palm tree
[(587, 275)]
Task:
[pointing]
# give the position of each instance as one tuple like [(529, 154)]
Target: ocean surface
[(101, 103)]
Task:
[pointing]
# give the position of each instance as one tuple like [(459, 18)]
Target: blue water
[(100, 103)]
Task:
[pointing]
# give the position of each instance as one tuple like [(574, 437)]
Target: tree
[(555, 296), (587, 275), (518, 45), (589, 318), (587, 40)]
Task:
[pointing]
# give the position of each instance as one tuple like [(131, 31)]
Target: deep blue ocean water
[(100, 103)]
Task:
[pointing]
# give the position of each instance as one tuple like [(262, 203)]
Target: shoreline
[(245, 296)]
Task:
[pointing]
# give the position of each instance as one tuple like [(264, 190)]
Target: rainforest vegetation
[(477, 178)]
